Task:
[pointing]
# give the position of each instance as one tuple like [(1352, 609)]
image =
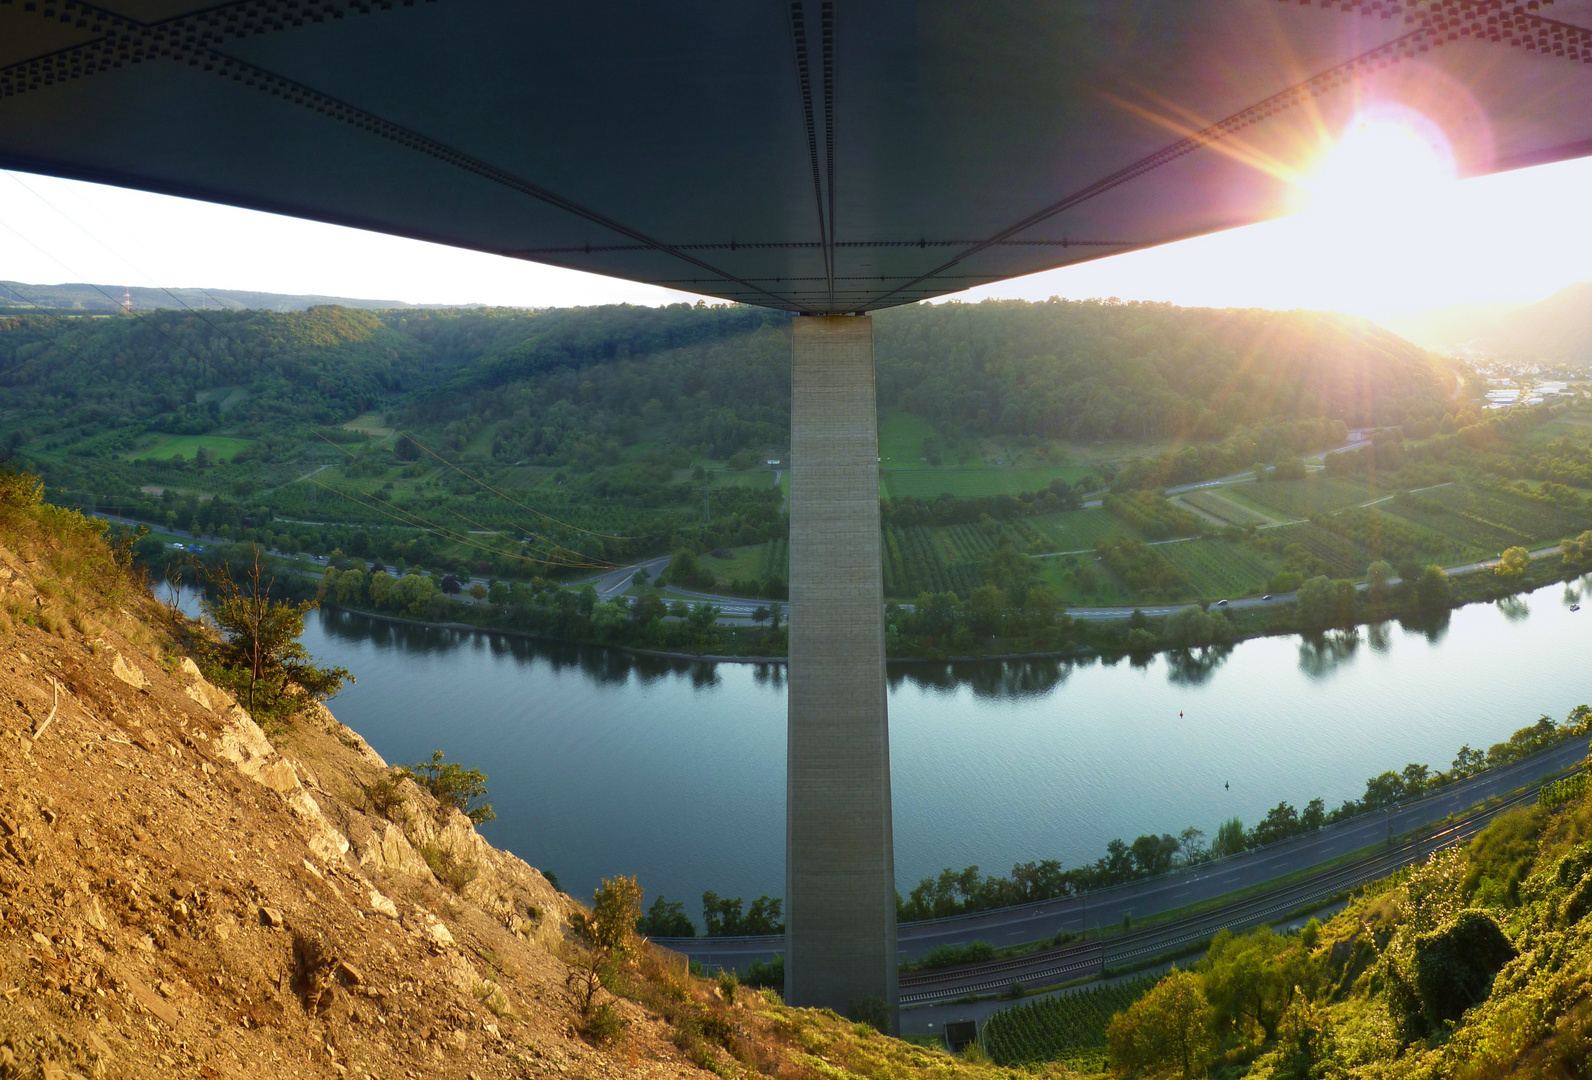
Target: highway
[(1086, 958), (1208, 881)]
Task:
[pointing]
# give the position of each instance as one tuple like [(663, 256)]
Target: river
[(603, 763)]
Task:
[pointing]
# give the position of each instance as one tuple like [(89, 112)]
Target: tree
[(588, 600), (454, 785), (682, 568), (1247, 979), (1433, 591), (760, 616), (1011, 570), (775, 614), (666, 918), (1230, 839), (1377, 576), (1514, 563), (987, 606), (607, 937), (723, 918), (478, 591), (259, 645), (1281, 822), (648, 609), (703, 617), (1167, 1029)]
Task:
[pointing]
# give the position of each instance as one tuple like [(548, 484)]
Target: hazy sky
[(1387, 230)]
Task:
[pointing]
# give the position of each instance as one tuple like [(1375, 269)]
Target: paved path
[(1033, 922)]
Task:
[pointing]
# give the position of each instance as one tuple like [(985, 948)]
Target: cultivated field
[(1216, 569), (927, 483), (165, 446), (1223, 508)]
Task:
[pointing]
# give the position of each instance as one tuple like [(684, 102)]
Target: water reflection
[(1321, 655), (1433, 627), (1194, 667), (602, 666), (1514, 608), (1380, 636)]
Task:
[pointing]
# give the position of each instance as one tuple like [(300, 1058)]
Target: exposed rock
[(129, 673)]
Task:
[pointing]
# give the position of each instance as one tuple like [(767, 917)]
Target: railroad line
[(1070, 962)]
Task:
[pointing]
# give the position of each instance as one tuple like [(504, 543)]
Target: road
[(1141, 899), (1085, 959)]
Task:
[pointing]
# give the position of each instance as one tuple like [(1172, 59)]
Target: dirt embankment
[(181, 896)]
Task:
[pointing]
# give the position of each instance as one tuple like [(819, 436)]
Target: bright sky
[(1386, 230)]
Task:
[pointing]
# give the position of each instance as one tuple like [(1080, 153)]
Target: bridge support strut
[(840, 867)]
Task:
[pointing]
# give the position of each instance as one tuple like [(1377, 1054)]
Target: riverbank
[(1132, 633)]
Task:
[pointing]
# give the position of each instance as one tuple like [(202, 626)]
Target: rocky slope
[(183, 896), (179, 896)]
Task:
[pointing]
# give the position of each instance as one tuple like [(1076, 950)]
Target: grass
[(929, 483), (369, 424), (225, 396), (751, 478), (1293, 499), (901, 438), (743, 563), (1078, 530), (224, 447)]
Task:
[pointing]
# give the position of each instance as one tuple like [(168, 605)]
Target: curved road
[(1140, 899)]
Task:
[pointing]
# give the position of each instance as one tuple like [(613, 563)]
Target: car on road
[(1266, 597), (1221, 603)]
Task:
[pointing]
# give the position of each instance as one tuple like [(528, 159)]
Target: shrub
[(871, 1011), (453, 786), (449, 868), (384, 795), (1450, 970), (604, 1025)]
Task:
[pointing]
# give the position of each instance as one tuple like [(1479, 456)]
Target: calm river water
[(603, 763)]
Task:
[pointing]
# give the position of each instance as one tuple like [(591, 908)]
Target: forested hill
[(79, 298), (1091, 369), (578, 386)]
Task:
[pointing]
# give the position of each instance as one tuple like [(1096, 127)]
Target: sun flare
[(1387, 158)]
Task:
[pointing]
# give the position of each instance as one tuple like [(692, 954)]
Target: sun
[(1389, 158)]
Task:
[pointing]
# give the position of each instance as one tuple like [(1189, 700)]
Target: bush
[(942, 956), (604, 1025), (385, 795), (449, 869), (1450, 970), (453, 785), (871, 1011)]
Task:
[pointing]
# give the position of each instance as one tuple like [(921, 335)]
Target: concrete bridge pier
[(840, 945)]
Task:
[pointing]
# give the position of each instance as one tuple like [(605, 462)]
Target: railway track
[(1070, 962)]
